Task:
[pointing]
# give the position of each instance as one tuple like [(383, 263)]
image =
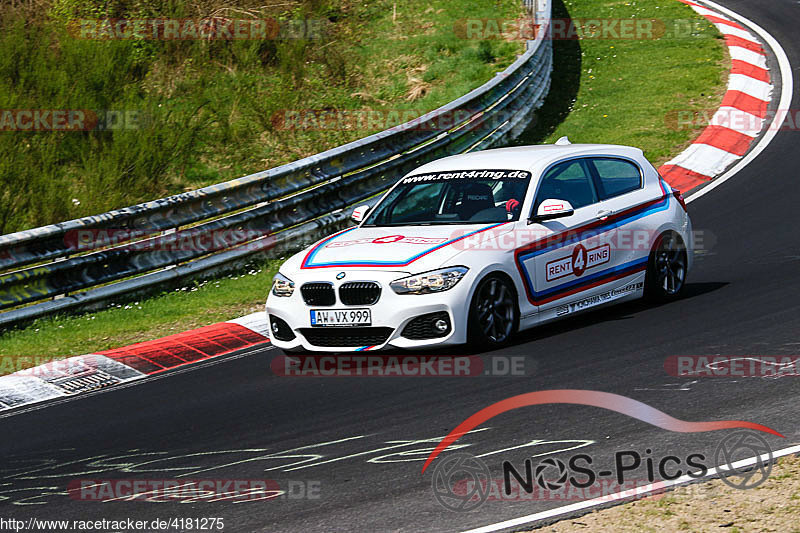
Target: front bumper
[(390, 315)]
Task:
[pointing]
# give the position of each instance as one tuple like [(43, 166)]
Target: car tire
[(493, 313), (666, 269)]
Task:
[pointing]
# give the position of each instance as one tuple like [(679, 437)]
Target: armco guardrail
[(268, 212)]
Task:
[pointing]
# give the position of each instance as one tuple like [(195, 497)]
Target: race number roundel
[(578, 260)]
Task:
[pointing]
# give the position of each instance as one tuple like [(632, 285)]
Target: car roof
[(532, 158)]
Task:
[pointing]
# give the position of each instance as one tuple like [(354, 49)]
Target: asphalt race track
[(352, 449)]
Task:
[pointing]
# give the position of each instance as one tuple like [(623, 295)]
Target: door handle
[(604, 214)]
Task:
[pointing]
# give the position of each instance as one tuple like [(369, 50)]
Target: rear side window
[(568, 181), (617, 176)]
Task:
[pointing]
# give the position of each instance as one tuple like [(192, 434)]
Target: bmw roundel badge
[(340, 275)]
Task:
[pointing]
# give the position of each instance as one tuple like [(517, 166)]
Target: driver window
[(568, 181)]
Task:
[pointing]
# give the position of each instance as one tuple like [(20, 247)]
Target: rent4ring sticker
[(577, 263)]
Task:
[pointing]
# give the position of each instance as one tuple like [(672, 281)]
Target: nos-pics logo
[(462, 482)]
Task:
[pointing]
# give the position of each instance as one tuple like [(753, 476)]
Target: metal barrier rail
[(276, 210)]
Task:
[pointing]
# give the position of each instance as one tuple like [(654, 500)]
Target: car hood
[(401, 249)]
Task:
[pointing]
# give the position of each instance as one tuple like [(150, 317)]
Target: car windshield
[(454, 197)]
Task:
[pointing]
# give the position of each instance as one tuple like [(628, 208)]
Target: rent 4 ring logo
[(578, 262), (388, 239), (462, 482)]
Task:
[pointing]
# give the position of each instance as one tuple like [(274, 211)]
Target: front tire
[(493, 313), (666, 269)]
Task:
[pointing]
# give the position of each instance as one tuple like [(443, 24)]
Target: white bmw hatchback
[(474, 247)]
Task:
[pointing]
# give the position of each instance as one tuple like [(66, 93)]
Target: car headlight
[(429, 282), (282, 286)]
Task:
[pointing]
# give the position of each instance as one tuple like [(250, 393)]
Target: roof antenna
[(563, 141)]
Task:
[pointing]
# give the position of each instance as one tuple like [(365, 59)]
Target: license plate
[(341, 317)]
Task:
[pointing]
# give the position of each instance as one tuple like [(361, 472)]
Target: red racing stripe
[(749, 69), (681, 178), (152, 357), (725, 139), (745, 102)]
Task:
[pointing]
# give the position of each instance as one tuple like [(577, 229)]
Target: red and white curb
[(741, 117), (87, 373)]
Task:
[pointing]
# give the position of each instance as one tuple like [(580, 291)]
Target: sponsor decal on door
[(579, 262)]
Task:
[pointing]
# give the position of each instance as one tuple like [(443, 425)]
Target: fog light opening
[(428, 326), (280, 329)]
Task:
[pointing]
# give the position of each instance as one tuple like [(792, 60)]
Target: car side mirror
[(360, 212), (551, 209)]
